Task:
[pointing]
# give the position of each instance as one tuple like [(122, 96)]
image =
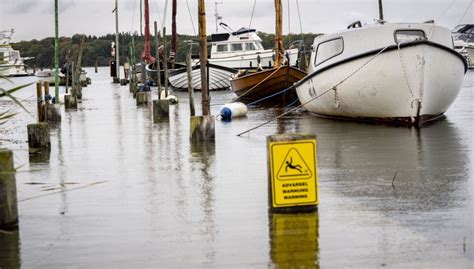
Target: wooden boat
[(265, 84), (271, 85)]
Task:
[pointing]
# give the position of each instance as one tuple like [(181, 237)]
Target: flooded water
[(122, 192)]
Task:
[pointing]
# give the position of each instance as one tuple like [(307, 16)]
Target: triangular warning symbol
[(293, 167)]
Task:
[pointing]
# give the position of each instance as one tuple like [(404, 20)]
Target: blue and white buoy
[(233, 110)]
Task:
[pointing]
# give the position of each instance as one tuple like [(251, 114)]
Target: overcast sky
[(34, 19)]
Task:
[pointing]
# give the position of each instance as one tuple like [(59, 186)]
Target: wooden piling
[(70, 102), (202, 128), (95, 67), (38, 138), (40, 101), (8, 200), (161, 109), (190, 85), (142, 98), (51, 114), (158, 71), (165, 61)]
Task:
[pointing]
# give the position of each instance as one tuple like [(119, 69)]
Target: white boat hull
[(249, 60), (421, 84)]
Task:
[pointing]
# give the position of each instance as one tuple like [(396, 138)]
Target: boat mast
[(56, 51), (216, 15), (117, 58), (203, 58), (146, 56), (279, 52), (380, 11), (141, 18), (173, 31)]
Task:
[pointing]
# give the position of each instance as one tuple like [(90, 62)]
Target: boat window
[(236, 47), (328, 50), (259, 46), (249, 46), (409, 35), (222, 47)]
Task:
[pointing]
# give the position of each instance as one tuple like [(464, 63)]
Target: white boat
[(11, 63), (48, 75), (243, 49), (219, 78), (402, 72), (464, 42)]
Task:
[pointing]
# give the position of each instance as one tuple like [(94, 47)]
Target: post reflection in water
[(203, 155), (294, 240), (10, 249)]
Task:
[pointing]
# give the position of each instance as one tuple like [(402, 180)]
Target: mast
[(380, 11), (173, 31), (216, 15), (117, 51), (141, 18), (203, 58), (279, 51), (146, 56), (56, 51)]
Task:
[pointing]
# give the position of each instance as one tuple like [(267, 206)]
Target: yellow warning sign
[(294, 173)]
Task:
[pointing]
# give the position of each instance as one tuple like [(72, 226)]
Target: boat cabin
[(346, 45), (243, 41)]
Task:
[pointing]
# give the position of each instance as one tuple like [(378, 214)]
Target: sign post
[(292, 173)]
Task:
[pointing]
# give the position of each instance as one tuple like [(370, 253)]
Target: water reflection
[(10, 249), (203, 155), (361, 160), (294, 240)]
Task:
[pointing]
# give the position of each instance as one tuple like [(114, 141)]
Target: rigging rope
[(289, 23), (191, 18), (465, 13), (253, 10), (317, 96), (446, 10)]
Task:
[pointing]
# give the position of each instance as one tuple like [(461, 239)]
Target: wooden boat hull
[(257, 86)]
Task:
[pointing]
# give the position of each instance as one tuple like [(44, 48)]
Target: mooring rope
[(316, 97)]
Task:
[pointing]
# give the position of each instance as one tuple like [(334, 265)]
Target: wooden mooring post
[(161, 107), (51, 114), (8, 200), (203, 127)]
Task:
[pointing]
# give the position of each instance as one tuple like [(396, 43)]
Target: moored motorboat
[(11, 63), (402, 72), (464, 42)]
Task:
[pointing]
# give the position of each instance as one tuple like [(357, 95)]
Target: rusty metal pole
[(203, 58)]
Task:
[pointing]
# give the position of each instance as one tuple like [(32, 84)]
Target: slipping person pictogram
[(289, 164)]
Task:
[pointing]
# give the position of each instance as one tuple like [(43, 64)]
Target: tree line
[(97, 49)]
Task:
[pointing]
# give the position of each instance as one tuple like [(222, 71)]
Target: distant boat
[(464, 42), (48, 75), (219, 78), (398, 72), (11, 63), (243, 49), (272, 85)]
